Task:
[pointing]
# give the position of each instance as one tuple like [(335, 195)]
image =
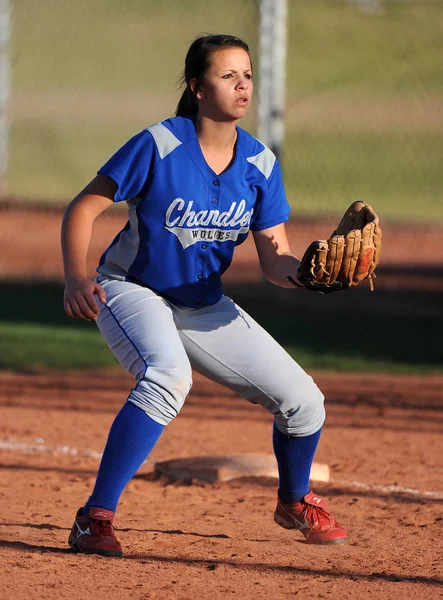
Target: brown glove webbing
[(350, 255)]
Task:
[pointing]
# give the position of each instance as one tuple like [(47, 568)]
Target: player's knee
[(162, 391), (306, 414)]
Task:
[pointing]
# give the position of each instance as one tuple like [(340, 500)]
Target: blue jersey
[(184, 219)]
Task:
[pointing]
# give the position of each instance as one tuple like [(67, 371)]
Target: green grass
[(24, 346), (81, 72), (114, 45), (35, 333), (332, 46), (358, 342), (63, 152)]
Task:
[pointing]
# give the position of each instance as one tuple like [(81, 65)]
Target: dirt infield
[(192, 540)]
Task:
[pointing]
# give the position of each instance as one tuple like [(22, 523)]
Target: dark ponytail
[(196, 65), (187, 104)]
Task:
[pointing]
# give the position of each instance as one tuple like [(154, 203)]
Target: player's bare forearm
[(276, 258), (278, 270), (80, 291), (75, 238), (77, 224)]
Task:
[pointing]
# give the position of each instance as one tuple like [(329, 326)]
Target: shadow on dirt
[(39, 468), (252, 566), (46, 526), (16, 545), (335, 488)]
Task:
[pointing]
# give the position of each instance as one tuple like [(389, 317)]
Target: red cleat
[(93, 533), (311, 518)]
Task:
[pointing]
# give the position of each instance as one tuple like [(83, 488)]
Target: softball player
[(195, 185)]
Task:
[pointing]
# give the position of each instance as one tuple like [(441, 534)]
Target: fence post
[(272, 72), (4, 90)]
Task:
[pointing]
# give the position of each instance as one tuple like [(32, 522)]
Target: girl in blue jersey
[(195, 185)]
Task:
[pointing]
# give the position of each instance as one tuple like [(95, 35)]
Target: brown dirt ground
[(187, 540), (191, 540)]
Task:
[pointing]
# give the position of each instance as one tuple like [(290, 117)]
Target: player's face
[(225, 94)]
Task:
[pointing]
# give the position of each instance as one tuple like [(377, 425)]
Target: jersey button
[(216, 182), (200, 276), (204, 246), (214, 200)]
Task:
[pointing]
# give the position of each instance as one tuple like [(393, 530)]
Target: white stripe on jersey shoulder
[(164, 139), (264, 161)]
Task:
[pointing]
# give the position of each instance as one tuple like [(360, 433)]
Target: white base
[(230, 466)]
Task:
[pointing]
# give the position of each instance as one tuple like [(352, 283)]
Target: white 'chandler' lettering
[(181, 215), (190, 226)]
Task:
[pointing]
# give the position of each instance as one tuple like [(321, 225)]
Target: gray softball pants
[(160, 343)]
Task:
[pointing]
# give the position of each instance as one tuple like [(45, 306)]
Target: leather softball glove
[(350, 255)]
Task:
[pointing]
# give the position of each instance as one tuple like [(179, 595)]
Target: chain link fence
[(365, 107), (87, 75)]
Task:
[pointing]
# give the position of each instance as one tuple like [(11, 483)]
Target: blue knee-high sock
[(132, 437), (294, 459)]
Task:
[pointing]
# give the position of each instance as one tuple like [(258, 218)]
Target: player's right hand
[(79, 298)]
